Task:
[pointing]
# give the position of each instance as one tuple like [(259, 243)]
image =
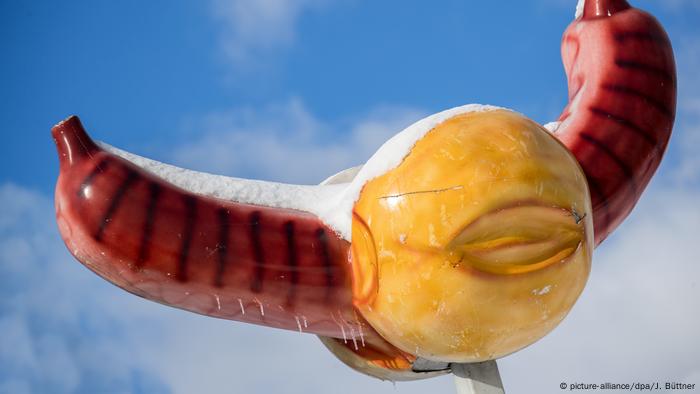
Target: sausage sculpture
[(466, 237)]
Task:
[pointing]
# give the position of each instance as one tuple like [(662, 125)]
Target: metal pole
[(477, 378)]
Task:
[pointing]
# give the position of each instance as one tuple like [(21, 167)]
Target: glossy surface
[(273, 267), (478, 244), (622, 103)]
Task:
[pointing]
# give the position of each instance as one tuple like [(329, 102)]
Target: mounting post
[(477, 378)]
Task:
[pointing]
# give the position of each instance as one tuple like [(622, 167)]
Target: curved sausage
[(270, 266), (622, 103)]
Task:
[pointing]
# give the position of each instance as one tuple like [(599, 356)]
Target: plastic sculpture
[(466, 237)]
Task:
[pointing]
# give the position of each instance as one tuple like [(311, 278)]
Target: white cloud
[(62, 329), (286, 143), (216, 356), (254, 28), (686, 141)]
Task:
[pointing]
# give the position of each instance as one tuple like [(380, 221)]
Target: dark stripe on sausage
[(638, 66), (117, 197), (597, 197), (322, 239), (647, 136), (187, 232), (258, 258), (147, 232), (291, 261), (640, 36), (100, 167), (603, 148), (658, 104), (222, 246)]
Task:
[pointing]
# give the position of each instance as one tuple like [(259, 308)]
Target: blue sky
[(294, 91)]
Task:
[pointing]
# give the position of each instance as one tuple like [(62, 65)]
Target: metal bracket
[(477, 378)]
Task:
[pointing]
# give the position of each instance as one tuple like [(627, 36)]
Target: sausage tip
[(72, 141)]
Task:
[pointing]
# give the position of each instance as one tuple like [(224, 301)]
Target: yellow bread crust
[(477, 244)]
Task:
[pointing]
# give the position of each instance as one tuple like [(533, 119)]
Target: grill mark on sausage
[(187, 232), (598, 197), (325, 256), (640, 36), (292, 261), (222, 245), (647, 136), (626, 90), (643, 67), (147, 231), (258, 256), (131, 177), (629, 174)]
